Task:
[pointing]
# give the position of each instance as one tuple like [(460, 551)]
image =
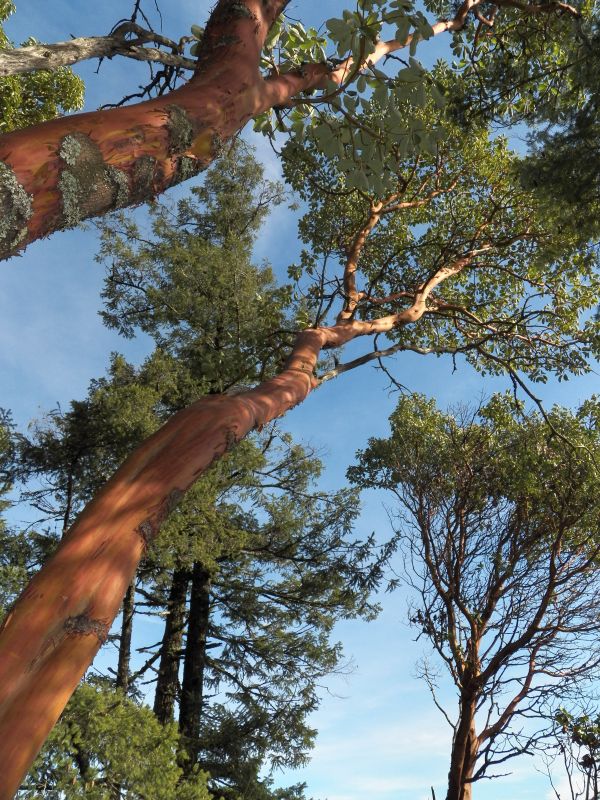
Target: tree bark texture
[(192, 687), (122, 681), (464, 752), (52, 633), (55, 174), (170, 651)]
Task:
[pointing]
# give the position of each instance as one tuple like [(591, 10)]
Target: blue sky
[(380, 736)]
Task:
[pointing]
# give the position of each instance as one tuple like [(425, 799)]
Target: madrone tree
[(254, 566), (249, 61), (418, 236), (496, 525)]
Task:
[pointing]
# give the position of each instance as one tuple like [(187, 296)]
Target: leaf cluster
[(38, 96)]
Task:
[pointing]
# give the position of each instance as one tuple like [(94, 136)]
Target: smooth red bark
[(53, 632), (60, 172)]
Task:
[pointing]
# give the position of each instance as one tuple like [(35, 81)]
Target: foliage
[(521, 298), (191, 284), (34, 97), (497, 523), (578, 748), (565, 158), (95, 750)]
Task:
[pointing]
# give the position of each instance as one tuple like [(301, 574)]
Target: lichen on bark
[(87, 184), (181, 130), (16, 208), (143, 179)]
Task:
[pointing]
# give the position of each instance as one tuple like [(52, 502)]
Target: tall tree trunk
[(122, 681), (54, 630), (170, 650), (464, 752), (192, 687)]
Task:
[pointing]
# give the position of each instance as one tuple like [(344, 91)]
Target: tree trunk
[(464, 752), (170, 651), (122, 681), (57, 173), (54, 630), (192, 688)]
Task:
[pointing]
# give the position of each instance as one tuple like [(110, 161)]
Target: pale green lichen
[(143, 178), (88, 186), (69, 188), (16, 209), (70, 149), (187, 168), (120, 180), (181, 130)]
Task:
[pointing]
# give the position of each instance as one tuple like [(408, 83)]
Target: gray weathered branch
[(32, 57)]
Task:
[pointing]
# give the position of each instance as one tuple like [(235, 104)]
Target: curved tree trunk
[(55, 628), (57, 173), (170, 651)]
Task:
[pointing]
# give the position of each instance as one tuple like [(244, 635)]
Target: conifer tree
[(250, 579)]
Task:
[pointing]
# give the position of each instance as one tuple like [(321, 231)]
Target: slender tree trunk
[(170, 651), (192, 688), (122, 681), (464, 752)]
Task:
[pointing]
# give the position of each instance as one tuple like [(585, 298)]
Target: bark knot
[(82, 625), (149, 528)]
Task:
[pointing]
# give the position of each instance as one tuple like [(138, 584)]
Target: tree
[(489, 241), (251, 556), (94, 753), (180, 133), (30, 99), (497, 525), (576, 750)]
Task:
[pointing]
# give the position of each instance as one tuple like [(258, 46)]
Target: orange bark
[(55, 174), (56, 627), (60, 172)]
